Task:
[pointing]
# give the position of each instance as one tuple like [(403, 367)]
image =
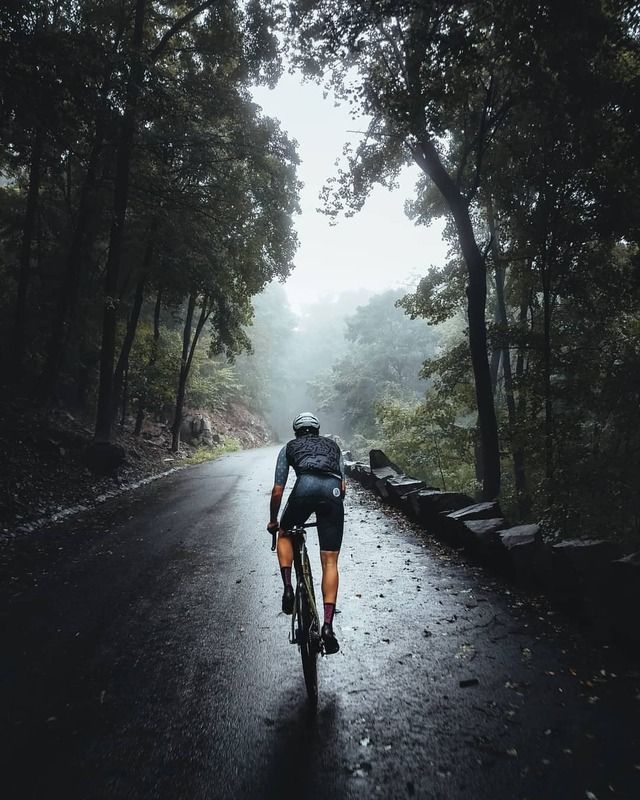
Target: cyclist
[(320, 488)]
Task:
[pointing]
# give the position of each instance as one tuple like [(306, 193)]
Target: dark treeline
[(523, 119), (144, 198)]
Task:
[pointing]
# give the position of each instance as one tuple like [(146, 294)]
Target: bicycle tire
[(307, 642)]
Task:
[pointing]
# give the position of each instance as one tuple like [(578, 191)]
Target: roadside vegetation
[(144, 201), (521, 122)]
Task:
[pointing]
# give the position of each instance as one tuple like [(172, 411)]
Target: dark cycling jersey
[(319, 467), (316, 454)]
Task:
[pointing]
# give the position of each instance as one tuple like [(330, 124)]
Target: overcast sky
[(379, 248)]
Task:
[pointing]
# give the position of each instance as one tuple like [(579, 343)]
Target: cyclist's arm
[(343, 484), (274, 506), (279, 482)]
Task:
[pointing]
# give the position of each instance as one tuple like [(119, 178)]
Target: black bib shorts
[(315, 492)]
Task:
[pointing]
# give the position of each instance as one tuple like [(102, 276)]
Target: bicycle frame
[(305, 622), (304, 577)]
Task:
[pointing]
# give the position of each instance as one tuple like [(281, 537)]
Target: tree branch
[(177, 26)]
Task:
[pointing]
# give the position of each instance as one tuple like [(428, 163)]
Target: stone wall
[(590, 578)]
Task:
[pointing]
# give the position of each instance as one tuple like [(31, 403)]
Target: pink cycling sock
[(286, 575), (329, 611)]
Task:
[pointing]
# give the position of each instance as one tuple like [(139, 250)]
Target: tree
[(418, 71), (383, 362)]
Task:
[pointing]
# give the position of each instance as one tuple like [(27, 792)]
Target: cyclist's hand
[(272, 527)]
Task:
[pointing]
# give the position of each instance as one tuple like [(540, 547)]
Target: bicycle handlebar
[(306, 525)]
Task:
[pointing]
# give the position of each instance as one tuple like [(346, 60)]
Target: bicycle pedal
[(293, 639)]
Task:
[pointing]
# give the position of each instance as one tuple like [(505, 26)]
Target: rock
[(393, 489), (378, 460), (521, 536), (452, 523), (380, 488), (484, 532), (428, 504), (404, 484), (522, 545), (196, 429), (485, 510), (578, 580), (385, 472), (362, 473)]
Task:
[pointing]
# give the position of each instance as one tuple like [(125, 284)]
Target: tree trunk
[(546, 351), (24, 276), (182, 378), (428, 160), (185, 363), (521, 363), (125, 397), (152, 360), (122, 367), (104, 416), (494, 368), (517, 450), (70, 288)]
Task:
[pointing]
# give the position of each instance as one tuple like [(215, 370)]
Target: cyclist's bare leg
[(284, 550), (329, 559), (330, 579)]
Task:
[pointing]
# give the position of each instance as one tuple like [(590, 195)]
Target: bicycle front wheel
[(308, 640)]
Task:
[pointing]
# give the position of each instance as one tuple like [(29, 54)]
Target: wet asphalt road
[(143, 655)]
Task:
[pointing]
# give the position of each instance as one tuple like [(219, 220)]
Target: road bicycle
[(305, 622)]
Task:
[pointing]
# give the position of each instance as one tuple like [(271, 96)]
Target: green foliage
[(530, 111), (154, 383), (202, 454), (429, 443), (212, 383), (385, 353), (208, 185)]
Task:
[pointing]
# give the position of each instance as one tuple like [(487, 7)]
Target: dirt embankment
[(42, 468)]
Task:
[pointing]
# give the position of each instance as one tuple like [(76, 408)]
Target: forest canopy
[(140, 184)]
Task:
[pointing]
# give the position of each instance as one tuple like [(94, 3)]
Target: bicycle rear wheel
[(308, 638)]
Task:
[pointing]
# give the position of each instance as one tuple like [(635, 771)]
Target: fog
[(377, 249), (340, 358)]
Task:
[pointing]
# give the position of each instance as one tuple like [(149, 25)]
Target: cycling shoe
[(328, 637), (287, 600)]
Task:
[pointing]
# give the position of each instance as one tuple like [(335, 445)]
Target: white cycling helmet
[(306, 420)]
